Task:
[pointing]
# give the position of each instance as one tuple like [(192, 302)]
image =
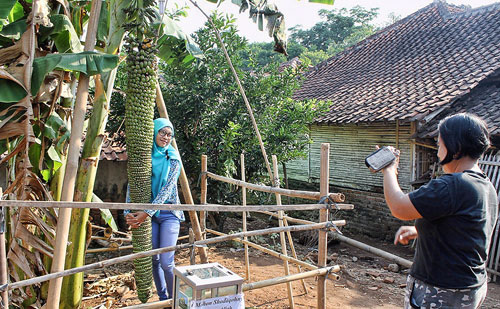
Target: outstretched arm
[(399, 202)]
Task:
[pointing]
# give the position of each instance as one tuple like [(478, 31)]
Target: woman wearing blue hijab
[(166, 169)]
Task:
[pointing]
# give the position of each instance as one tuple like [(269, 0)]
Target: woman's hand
[(135, 219), (405, 234), (393, 167)]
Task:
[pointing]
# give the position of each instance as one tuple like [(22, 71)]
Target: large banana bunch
[(142, 75)]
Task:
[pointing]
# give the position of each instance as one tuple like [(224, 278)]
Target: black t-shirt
[(458, 216)]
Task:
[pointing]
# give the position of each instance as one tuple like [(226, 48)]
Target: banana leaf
[(175, 45), (14, 30), (89, 63), (5, 8), (63, 33), (11, 90), (106, 214), (261, 10)]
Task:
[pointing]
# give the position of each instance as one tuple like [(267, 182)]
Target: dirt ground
[(366, 281)]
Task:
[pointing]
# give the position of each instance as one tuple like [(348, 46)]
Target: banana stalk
[(142, 76), (72, 288)]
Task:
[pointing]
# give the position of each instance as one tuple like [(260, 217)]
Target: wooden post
[(244, 203), (323, 217), (397, 133), (192, 257), (75, 143), (203, 195), (276, 183), (186, 191), (4, 274), (285, 177)]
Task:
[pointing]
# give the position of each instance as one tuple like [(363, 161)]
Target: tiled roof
[(293, 63), (483, 100), (113, 151), (411, 68)]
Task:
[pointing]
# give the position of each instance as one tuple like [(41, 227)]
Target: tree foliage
[(210, 117), (338, 30), (338, 25)]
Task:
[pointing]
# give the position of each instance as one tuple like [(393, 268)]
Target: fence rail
[(490, 164)]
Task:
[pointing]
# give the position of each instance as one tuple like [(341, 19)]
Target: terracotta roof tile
[(407, 70), (483, 100), (113, 151)]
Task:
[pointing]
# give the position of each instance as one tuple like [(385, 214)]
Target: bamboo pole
[(282, 234), (186, 191), (157, 304), (122, 248), (105, 228), (244, 214), (111, 238), (4, 277), (141, 206), (133, 256), (192, 257), (381, 253), (75, 142), (294, 254), (203, 195), (301, 221), (100, 250), (286, 279), (386, 255), (274, 253), (323, 217), (336, 197)]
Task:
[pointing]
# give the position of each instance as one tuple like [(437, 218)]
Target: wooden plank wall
[(349, 145)]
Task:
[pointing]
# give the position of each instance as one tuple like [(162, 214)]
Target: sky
[(306, 14)]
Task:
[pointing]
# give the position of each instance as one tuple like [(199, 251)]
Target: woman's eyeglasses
[(164, 133)]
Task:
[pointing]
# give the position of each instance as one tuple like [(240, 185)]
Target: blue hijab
[(161, 157)]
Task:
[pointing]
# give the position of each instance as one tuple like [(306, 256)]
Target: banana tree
[(33, 131)]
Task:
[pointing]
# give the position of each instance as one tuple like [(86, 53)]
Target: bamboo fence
[(133, 256), (324, 194)]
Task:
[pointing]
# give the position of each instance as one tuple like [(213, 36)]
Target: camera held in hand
[(379, 159)]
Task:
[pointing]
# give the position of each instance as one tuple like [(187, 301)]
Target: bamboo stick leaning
[(276, 182), (203, 194)]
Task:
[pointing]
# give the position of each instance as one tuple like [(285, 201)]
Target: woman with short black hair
[(455, 217)]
